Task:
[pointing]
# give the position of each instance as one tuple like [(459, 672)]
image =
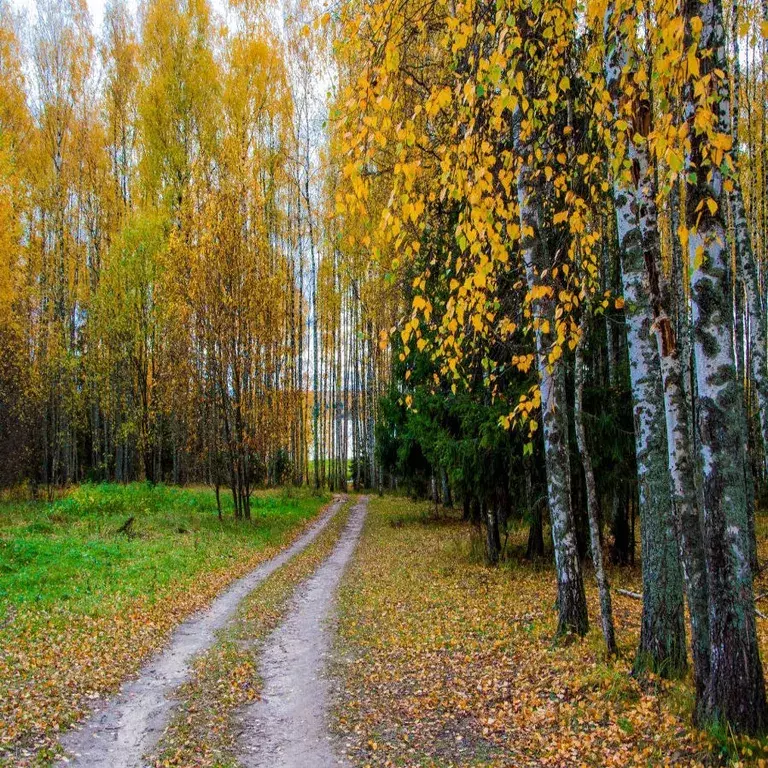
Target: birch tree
[(662, 637), (736, 688)]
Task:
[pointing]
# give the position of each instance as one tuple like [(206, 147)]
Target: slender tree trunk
[(682, 472), (535, 546), (747, 266), (492, 537), (316, 399), (572, 602), (603, 587), (747, 272), (447, 498)]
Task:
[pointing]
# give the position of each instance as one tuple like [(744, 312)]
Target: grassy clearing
[(452, 663), (82, 604), (203, 730)]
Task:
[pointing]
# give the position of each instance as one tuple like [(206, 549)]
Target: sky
[(96, 8)]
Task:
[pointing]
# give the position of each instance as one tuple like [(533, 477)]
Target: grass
[(82, 604), (71, 550), (452, 663)]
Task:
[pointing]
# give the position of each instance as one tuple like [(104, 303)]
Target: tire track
[(287, 727)]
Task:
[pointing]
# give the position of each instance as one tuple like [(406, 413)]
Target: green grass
[(71, 550)]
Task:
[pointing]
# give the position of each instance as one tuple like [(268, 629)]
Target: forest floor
[(446, 662), (377, 638), (84, 605)]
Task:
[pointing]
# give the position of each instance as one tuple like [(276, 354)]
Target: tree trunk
[(620, 551), (736, 690), (535, 547), (492, 537), (747, 266), (466, 515), (603, 587), (447, 498), (572, 602), (682, 471), (662, 635)]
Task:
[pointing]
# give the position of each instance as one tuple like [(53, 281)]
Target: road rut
[(287, 727)]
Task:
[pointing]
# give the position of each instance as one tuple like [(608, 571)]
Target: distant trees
[(176, 300), (149, 294)]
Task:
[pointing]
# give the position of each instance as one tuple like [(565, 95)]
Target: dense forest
[(507, 255), (173, 305)]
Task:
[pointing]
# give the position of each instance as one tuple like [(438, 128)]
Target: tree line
[(172, 307)]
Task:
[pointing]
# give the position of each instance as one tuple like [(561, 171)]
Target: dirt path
[(118, 734), (287, 728)]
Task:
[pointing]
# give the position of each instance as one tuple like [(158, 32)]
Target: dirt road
[(118, 734), (287, 727)]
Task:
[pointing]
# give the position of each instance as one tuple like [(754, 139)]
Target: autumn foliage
[(507, 255)]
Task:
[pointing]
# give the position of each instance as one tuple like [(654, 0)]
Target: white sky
[(96, 8)]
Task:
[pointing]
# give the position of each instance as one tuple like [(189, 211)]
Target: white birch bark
[(736, 690), (662, 635), (572, 603)]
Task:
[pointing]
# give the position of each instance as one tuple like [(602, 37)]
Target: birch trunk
[(662, 635), (736, 690), (571, 599), (603, 587), (747, 266), (682, 472)]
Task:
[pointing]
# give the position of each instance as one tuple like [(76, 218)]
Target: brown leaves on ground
[(451, 663)]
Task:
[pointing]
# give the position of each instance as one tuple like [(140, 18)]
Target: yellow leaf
[(693, 62), (696, 25), (698, 258)]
